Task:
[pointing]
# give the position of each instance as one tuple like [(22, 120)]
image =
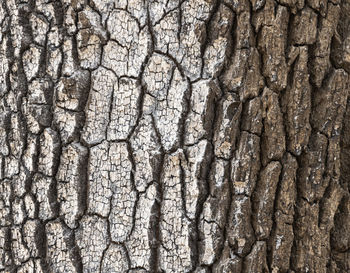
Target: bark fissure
[(174, 136)]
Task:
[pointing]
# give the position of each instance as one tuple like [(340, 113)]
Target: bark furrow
[(175, 136)]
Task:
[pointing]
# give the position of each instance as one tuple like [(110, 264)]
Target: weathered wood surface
[(174, 136)]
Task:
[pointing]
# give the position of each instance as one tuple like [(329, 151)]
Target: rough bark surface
[(175, 136)]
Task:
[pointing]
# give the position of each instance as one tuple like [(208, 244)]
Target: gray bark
[(174, 136)]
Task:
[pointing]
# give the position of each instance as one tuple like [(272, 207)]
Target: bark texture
[(175, 136)]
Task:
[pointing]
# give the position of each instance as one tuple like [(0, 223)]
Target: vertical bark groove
[(175, 136)]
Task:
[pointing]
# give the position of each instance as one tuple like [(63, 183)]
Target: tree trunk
[(175, 136)]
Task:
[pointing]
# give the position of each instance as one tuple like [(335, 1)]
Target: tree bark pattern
[(175, 136)]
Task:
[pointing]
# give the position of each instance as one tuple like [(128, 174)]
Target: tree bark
[(175, 136)]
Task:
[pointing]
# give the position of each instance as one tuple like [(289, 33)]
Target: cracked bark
[(175, 136)]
